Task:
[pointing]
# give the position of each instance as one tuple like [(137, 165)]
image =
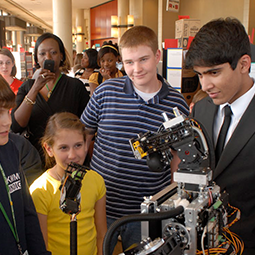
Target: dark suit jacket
[(235, 171)]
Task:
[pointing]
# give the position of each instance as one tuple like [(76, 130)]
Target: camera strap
[(13, 226)]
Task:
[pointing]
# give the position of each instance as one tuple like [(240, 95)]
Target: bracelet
[(29, 101)]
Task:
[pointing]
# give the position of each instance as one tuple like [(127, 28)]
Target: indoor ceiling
[(39, 12)]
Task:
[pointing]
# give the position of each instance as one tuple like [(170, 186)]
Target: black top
[(29, 157), (25, 215), (69, 95)]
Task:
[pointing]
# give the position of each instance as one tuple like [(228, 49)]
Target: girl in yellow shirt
[(63, 143)]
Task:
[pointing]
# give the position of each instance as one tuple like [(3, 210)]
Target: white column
[(20, 38), (136, 9), (80, 30), (62, 22), (87, 27), (123, 11), (160, 25), (14, 40), (246, 14)]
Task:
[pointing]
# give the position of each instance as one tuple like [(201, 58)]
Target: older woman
[(8, 69), (49, 93)]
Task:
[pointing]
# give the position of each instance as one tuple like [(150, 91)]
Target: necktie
[(223, 133)]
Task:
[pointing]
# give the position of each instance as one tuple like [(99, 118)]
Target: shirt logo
[(14, 182)]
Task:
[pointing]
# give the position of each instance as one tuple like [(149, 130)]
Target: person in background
[(89, 65), (51, 92), (66, 67), (8, 69), (20, 230), (108, 56), (78, 58), (63, 143), (221, 56), (77, 62), (119, 110), (200, 94), (74, 55)]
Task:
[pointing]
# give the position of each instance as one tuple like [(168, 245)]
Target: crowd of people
[(54, 119)]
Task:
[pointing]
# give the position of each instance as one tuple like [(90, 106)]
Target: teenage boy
[(120, 109), (20, 230), (221, 56)]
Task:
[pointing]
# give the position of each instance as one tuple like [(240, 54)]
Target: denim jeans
[(130, 234)]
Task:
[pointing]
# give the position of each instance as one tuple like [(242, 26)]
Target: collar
[(129, 89), (239, 106)]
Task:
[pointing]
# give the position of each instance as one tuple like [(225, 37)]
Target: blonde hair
[(198, 96), (139, 35), (78, 58), (66, 64), (58, 121)]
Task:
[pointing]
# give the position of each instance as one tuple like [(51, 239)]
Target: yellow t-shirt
[(93, 78), (46, 195)]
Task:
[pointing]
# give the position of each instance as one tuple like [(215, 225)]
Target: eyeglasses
[(7, 63)]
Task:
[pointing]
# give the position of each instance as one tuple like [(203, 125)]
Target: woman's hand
[(23, 112), (105, 73), (44, 77)]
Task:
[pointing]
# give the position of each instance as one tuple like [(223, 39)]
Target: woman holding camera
[(51, 92)]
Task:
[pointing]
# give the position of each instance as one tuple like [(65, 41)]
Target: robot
[(192, 215)]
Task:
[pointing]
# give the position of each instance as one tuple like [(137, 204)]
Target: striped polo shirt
[(118, 114)]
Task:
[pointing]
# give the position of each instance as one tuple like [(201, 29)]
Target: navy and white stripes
[(119, 114)]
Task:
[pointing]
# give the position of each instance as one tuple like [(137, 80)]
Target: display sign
[(173, 5), (174, 67)]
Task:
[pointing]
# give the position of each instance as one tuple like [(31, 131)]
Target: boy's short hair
[(7, 97), (217, 42), (139, 35)]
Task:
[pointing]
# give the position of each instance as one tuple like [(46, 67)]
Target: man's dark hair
[(217, 42)]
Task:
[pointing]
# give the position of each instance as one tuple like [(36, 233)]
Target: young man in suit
[(221, 56)]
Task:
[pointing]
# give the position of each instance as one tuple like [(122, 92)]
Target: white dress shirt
[(238, 107)]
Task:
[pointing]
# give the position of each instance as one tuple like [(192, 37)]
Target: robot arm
[(200, 227), (180, 134)]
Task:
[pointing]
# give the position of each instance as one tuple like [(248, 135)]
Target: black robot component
[(203, 225), (70, 199), (70, 189)]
